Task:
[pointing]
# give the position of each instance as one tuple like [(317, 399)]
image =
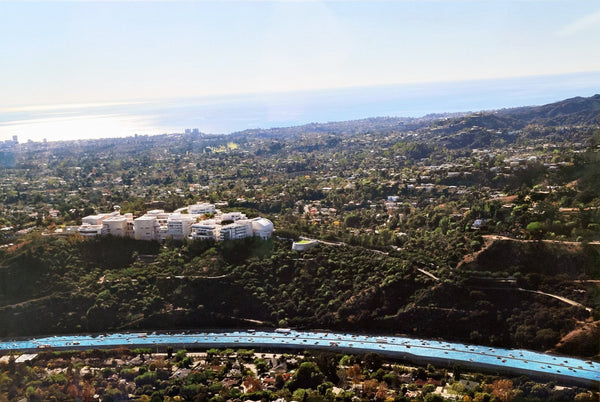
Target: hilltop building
[(118, 225), (262, 227), (206, 230), (232, 216), (179, 226), (92, 225), (241, 227), (159, 225), (237, 230), (304, 245), (145, 227), (201, 208)]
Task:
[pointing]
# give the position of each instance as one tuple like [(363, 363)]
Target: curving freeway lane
[(516, 361)]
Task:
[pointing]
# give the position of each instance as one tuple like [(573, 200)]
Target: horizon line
[(215, 96), (465, 112)]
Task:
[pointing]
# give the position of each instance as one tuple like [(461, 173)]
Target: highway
[(517, 361)]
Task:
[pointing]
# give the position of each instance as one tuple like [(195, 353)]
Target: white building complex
[(146, 227), (304, 245), (206, 230), (180, 226), (237, 230), (118, 225), (201, 208), (92, 225), (262, 227), (241, 227), (160, 225)]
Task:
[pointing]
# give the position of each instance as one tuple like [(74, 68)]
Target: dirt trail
[(429, 274), (24, 302), (562, 299), (488, 240)]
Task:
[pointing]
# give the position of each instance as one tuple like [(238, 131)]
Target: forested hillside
[(480, 227)]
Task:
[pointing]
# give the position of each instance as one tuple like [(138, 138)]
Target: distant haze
[(88, 69), (228, 114)]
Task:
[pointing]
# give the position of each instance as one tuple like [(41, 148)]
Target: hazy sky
[(106, 51)]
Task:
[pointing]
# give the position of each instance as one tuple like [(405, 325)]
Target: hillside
[(399, 203), (573, 111), (542, 257), (98, 286), (579, 111), (534, 265), (372, 124), (502, 128)]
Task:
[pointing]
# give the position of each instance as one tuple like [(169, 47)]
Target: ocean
[(227, 114)]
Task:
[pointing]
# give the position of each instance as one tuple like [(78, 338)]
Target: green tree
[(308, 375)]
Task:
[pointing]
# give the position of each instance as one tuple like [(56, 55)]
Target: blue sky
[(88, 53), (84, 51)]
